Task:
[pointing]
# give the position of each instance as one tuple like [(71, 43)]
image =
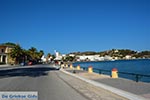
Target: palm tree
[(48, 55), (40, 53), (33, 53), (17, 54)]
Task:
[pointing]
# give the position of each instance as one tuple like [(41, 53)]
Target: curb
[(15, 67), (4, 65), (122, 93)]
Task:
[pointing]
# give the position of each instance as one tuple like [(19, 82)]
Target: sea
[(136, 66)]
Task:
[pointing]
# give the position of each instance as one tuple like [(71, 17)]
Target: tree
[(69, 58), (33, 53), (48, 55), (145, 54), (41, 53), (9, 44), (17, 54)]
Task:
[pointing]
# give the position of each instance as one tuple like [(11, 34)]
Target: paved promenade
[(88, 90), (140, 89)]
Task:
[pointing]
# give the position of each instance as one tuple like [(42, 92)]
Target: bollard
[(78, 67), (66, 66), (62, 65), (71, 66), (59, 63), (90, 69), (114, 73)]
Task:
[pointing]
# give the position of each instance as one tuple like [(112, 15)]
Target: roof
[(1, 45)]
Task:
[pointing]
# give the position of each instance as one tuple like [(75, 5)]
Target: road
[(40, 78)]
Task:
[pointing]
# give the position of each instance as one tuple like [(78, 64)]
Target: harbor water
[(138, 66)]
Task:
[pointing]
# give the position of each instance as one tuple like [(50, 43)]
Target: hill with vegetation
[(117, 53)]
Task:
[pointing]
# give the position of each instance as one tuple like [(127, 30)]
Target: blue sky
[(76, 25)]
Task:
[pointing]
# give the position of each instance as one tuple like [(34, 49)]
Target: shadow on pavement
[(30, 72)]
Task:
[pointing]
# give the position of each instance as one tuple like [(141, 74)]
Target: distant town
[(114, 54), (11, 53)]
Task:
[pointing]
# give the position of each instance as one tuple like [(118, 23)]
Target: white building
[(90, 58), (43, 58), (108, 58), (71, 55), (58, 56), (128, 57)]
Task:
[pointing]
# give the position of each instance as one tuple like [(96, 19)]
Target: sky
[(76, 25)]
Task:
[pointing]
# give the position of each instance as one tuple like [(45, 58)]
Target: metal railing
[(137, 77)]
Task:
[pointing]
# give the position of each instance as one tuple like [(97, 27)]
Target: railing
[(137, 77)]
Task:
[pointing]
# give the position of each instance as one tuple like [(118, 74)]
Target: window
[(2, 50)]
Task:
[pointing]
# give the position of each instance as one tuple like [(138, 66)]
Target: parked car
[(30, 63)]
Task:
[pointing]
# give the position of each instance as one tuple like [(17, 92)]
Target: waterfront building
[(43, 58), (128, 57), (90, 58), (72, 55), (58, 56), (4, 54), (108, 57)]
